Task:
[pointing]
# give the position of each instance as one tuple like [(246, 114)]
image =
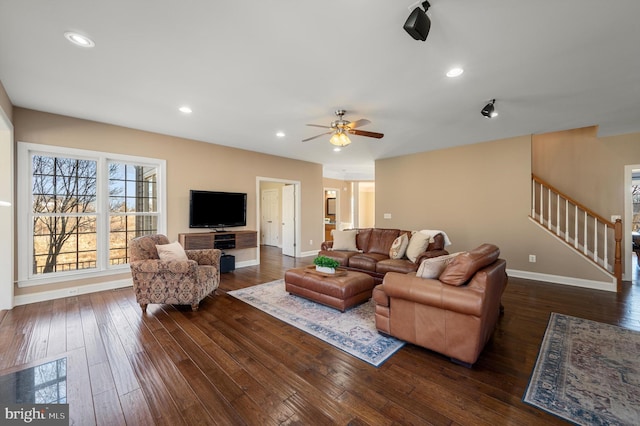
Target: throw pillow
[(173, 251), (399, 247), (433, 267), (417, 244), (345, 240)]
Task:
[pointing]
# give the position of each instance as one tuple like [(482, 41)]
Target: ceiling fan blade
[(319, 125), (317, 136), (365, 133), (359, 123)]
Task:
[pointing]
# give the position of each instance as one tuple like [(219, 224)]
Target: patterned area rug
[(587, 372), (353, 331)]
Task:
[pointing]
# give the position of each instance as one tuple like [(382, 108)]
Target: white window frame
[(26, 150)]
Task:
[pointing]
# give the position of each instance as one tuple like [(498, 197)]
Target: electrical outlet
[(310, 242), (615, 217), (532, 258), (72, 291), (387, 215)]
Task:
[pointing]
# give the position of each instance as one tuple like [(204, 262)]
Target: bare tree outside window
[(66, 212), (64, 208)]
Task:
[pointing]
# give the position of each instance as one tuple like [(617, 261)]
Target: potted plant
[(326, 264)]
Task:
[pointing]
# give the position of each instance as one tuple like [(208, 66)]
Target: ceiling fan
[(340, 128)]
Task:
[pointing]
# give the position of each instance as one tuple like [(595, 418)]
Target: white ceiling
[(251, 68)]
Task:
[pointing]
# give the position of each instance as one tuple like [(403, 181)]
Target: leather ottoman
[(340, 291)]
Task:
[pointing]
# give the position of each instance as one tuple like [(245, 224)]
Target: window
[(79, 209)]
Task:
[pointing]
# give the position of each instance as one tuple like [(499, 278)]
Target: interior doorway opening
[(278, 214)]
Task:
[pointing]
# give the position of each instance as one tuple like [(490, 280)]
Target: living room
[(477, 192)]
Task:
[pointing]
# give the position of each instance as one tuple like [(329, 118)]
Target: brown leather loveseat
[(371, 252), (454, 314)]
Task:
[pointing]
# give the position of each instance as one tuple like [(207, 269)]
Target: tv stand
[(222, 240)]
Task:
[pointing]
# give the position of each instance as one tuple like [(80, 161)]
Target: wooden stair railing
[(578, 226)]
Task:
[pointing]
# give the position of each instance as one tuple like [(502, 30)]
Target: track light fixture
[(489, 110), (418, 23)]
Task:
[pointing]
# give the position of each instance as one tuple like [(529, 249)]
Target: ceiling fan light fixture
[(340, 139), (489, 110)]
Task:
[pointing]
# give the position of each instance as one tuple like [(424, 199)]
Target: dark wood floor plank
[(230, 363), (57, 342)]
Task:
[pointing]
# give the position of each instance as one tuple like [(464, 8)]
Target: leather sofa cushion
[(381, 240), (403, 266), (340, 256), (366, 261), (463, 266), (362, 238)]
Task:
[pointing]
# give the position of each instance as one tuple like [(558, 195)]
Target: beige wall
[(190, 165), (475, 193)]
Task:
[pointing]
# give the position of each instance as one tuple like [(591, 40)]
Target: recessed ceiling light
[(455, 72), (280, 134), (185, 109), (79, 39), (337, 149)]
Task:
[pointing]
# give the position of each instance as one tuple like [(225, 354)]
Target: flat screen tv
[(211, 209)]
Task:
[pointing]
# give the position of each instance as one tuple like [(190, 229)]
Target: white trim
[(313, 253), (25, 242), (246, 263), (557, 279), (70, 291), (7, 215)]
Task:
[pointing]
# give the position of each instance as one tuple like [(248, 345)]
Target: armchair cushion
[(172, 251), (463, 266)]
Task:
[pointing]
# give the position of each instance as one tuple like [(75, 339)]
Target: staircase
[(595, 237)]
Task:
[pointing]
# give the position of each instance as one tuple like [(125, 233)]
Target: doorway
[(632, 222), (284, 214)]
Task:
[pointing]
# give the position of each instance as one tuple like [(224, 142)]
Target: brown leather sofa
[(372, 257), (455, 314)]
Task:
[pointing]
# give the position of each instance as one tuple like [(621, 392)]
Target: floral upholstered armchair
[(175, 276)]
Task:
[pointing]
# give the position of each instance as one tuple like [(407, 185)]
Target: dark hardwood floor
[(229, 363)]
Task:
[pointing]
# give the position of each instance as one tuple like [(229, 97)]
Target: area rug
[(587, 372), (353, 331)]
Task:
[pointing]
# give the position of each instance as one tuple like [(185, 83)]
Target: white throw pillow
[(417, 244), (433, 267), (172, 251), (399, 247), (345, 240)]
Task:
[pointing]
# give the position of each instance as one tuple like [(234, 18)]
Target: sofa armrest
[(205, 256), (379, 296), (431, 292), (326, 245), (430, 254)]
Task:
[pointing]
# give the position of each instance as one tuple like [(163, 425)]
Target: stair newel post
[(617, 267)]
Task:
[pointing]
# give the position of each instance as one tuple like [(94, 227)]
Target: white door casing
[(288, 220)]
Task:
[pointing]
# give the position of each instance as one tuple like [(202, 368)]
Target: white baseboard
[(557, 279), (309, 253), (42, 296), (246, 263)]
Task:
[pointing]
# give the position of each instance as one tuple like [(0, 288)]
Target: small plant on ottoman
[(326, 264)]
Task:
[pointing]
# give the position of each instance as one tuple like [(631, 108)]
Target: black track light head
[(418, 23), (489, 110)]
